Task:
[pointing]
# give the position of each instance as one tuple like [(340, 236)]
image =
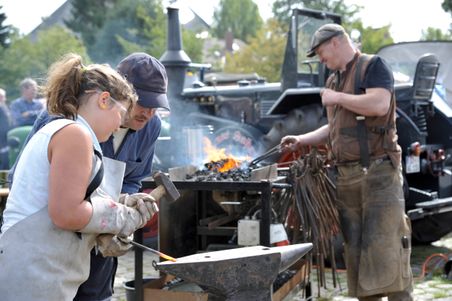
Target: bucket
[(194, 143), (129, 286)]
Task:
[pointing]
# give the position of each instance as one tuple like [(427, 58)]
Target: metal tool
[(164, 256), (240, 274), (165, 188), (266, 155)]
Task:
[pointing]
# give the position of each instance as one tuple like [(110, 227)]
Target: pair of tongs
[(267, 154)]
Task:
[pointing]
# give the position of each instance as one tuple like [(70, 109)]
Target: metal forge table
[(171, 214)]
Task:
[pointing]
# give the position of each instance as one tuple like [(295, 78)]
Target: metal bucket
[(129, 286), (194, 143)]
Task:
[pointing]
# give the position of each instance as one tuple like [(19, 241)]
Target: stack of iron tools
[(314, 196)]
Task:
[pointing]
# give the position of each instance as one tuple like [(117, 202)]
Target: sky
[(407, 17)]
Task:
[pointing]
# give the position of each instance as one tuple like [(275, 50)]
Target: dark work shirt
[(378, 75)]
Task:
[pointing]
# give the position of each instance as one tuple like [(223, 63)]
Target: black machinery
[(251, 115)]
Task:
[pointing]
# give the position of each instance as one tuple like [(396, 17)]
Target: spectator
[(5, 123), (26, 108)]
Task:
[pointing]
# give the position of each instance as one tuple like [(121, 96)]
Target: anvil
[(240, 274)]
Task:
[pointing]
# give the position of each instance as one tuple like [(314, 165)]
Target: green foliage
[(54, 43), (264, 53), (435, 34), (152, 36), (88, 17), (121, 30), (241, 17), (192, 45), (4, 30), (26, 59), (447, 5), (282, 9), (372, 38), (131, 26)]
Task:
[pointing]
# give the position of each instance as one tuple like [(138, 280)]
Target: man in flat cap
[(133, 144), (362, 139)]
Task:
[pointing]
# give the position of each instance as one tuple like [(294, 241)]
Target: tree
[(88, 17), (129, 26), (153, 32), (241, 17), (24, 58), (282, 9), (435, 34), (263, 55), (447, 5), (4, 30), (372, 38)]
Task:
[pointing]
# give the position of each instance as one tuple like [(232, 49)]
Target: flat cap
[(148, 77), (323, 34)]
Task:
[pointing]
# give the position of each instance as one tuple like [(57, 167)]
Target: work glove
[(113, 218), (110, 245), (143, 202)]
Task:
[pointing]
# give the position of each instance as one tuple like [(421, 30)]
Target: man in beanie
[(133, 144), (362, 139)]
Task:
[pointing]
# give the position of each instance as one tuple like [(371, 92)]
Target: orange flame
[(215, 154)]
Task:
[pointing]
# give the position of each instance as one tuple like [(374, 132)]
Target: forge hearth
[(211, 173)]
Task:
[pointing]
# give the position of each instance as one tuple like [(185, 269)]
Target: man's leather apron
[(51, 262), (370, 198), (375, 228)]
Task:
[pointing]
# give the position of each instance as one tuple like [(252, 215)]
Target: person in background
[(134, 144), (362, 140), (60, 202), (26, 108), (5, 124)]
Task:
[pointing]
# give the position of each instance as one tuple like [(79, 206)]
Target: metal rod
[(267, 154), (164, 256)]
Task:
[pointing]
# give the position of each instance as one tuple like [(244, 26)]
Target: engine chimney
[(175, 59), (176, 62)]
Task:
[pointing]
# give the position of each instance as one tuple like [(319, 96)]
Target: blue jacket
[(136, 150), (20, 106)]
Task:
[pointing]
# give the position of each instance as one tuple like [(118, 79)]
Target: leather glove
[(113, 218), (143, 202), (132, 222), (110, 246)]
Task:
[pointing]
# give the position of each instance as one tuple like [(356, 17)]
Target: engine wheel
[(298, 121), (239, 141)]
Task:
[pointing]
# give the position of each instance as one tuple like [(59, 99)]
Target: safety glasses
[(122, 108)]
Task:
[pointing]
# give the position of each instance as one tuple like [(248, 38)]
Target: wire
[(427, 268)]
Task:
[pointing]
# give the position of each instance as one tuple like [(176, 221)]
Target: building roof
[(61, 14)]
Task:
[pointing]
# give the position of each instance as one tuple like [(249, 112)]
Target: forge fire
[(221, 166)]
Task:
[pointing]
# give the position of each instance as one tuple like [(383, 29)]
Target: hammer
[(165, 188)]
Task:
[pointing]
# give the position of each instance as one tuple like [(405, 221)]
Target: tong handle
[(267, 154)]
